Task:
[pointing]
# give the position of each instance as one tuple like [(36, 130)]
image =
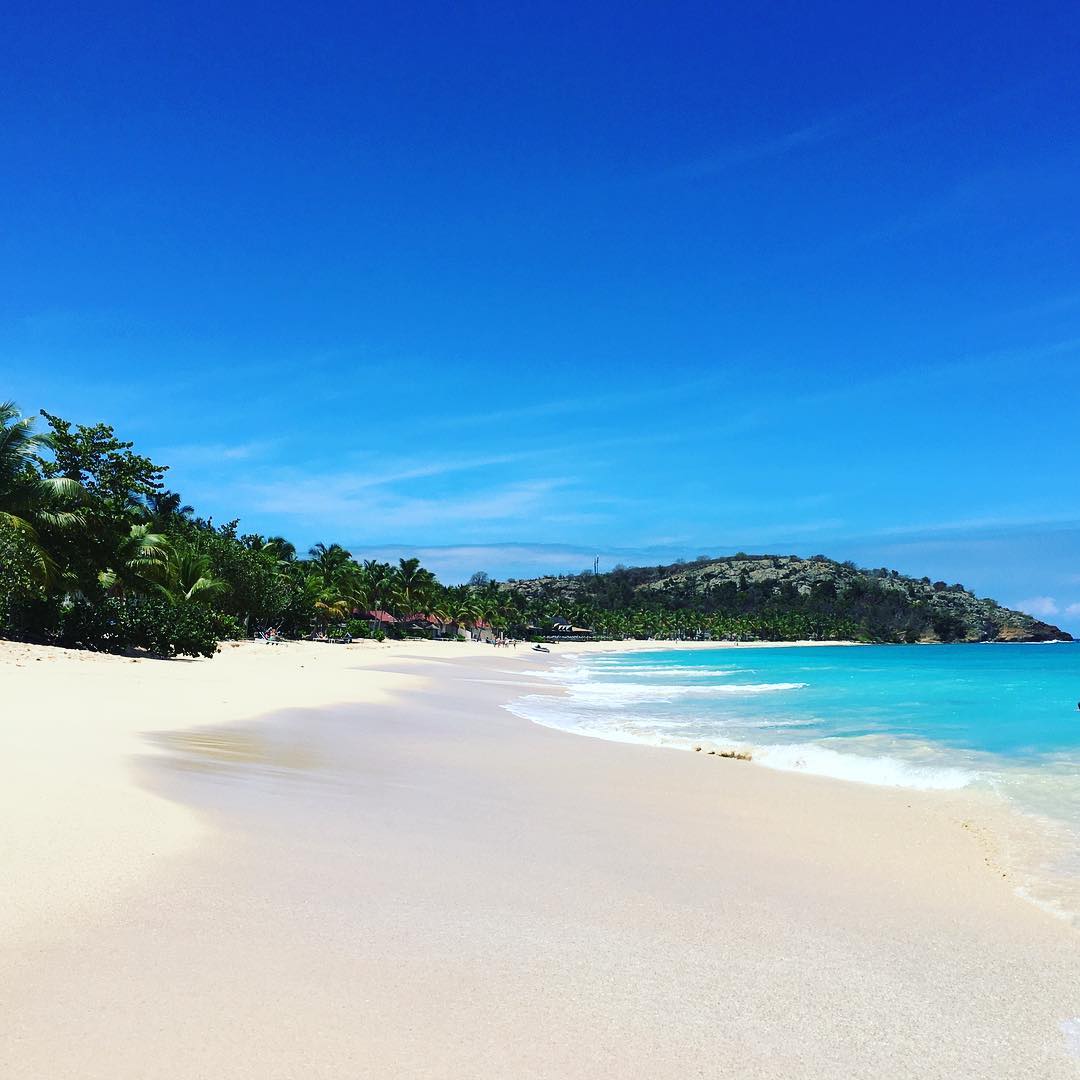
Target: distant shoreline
[(656, 644)]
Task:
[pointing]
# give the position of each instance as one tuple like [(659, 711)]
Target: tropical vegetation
[(96, 552), (777, 598)]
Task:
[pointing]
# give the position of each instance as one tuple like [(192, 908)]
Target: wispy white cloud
[(818, 131), (211, 453), (457, 562), (390, 471), (989, 523), (1043, 606), (776, 535), (346, 503), (610, 401)]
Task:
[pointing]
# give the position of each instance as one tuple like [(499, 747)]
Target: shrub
[(113, 624), (949, 627), (18, 585)]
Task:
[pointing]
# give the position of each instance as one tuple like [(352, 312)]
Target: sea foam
[(883, 771), (671, 703), (935, 718)]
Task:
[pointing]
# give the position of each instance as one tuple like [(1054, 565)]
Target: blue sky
[(513, 287)]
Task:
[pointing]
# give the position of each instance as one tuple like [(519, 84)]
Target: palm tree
[(328, 560), (332, 608), (463, 612), (189, 577), (412, 585), (334, 582), (378, 583), (164, 505), (142, 563), (330, 600), (29, 501), (280, 549)]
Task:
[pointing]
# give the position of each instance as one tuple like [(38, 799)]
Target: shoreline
[(1038, 843), (445, 778), (659, 645)]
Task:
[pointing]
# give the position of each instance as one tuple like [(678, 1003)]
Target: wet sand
[(358, 865)]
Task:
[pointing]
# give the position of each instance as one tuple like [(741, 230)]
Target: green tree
[(165, 508), (412, 586), (280, 550), (189, 576), (29, 501), (141, 564), (103, 465)]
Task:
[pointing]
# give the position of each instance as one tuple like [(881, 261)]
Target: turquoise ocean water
[(997, 718)]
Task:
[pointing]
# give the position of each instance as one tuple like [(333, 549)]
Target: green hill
[(775, 597)]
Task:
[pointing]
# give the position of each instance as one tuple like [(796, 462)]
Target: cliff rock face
[(883, 605)]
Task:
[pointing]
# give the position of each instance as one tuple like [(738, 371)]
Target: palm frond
[(63, 487), (205, 589), (19, 525), (62, 519)]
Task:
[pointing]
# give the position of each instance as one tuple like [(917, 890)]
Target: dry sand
[(316, 861)]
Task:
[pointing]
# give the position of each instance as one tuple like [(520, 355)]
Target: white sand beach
[(336, 862)]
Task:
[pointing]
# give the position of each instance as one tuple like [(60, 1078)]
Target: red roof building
[(377, 616)]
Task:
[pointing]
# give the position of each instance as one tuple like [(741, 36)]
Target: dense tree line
[(96, 552), (755, 614)]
